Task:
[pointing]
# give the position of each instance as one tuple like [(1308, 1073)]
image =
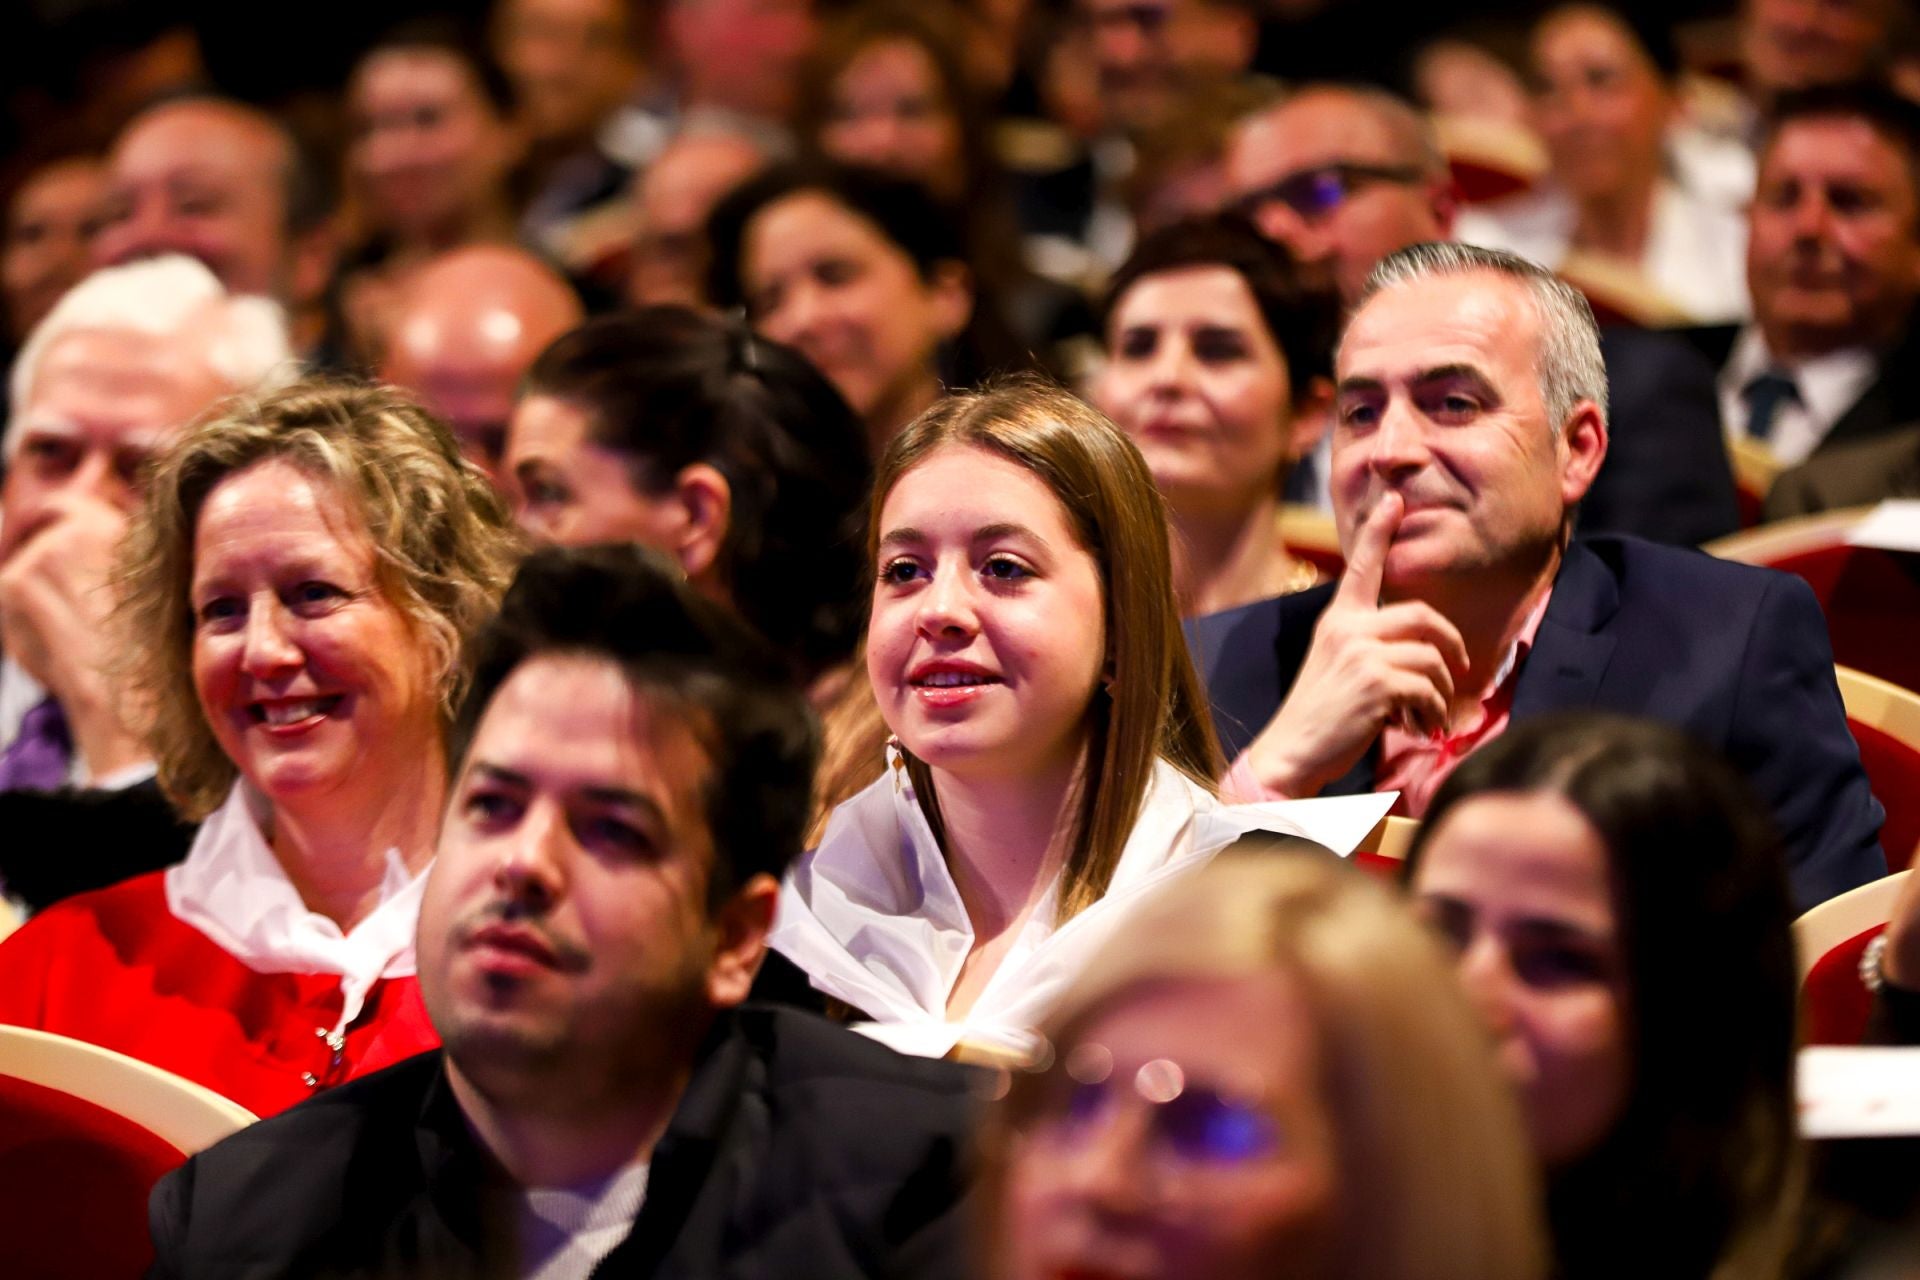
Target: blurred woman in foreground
[(1272, 1075)]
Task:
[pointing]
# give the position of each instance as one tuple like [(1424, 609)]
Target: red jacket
[(117, 969)]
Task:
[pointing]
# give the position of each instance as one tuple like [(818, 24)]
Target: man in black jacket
[(634, 775)]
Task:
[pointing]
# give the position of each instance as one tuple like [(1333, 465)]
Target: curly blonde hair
[(445, 547)]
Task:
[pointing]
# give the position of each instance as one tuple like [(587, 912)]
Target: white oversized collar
[(875, 920), (234, 890)]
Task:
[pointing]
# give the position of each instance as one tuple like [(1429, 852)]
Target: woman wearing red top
[(296, 589)]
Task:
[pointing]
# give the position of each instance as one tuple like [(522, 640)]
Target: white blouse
[(874, 918), (235, 891)]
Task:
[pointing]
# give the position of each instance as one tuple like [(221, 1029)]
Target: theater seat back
[(84, 1135), (1885, 721), (1829, 940), (1384, 850), (1871, 597)]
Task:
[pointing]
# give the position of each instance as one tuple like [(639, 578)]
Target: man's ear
[(1312, 418), (741, 926), (951, 287), (706, 499), (1582, 450)]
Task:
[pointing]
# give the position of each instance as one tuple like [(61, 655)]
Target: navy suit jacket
[(1666, 475), (1736, 655)]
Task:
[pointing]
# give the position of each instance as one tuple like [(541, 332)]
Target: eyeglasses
[(1314, 193), (1193, 1123)]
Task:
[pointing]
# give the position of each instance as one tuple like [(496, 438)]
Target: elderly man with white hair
[(124, 360)]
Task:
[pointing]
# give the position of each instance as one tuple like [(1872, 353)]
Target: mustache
[(1420, 493), (568, 955)]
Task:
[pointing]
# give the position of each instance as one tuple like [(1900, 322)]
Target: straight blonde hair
[(1155, 708)]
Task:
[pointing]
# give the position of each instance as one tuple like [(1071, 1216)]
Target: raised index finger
[(1367, 563)]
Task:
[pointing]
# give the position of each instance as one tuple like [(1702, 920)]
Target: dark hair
[(629, 606), (903, 211), (1884, 111), (932, 29), (1653, 35), (1704, 1153), (668, 387), (1302, 320), (459, 40)]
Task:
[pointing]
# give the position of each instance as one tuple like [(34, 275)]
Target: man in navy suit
[(1470, 422)]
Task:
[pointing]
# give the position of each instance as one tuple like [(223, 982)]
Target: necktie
[(1764, 396), (38, 758)]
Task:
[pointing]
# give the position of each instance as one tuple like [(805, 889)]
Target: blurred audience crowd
[(745, 637)]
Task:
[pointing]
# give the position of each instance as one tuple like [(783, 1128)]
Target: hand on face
[(55, 595), (1370, 665)]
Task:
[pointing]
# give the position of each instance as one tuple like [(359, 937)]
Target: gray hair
[(242, 339), (1567, 360)]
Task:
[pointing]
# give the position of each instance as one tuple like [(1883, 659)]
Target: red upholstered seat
[(1872, 602), (84, 1135), (1383, 851), (1834, 1003), (1489, 159), (1378, 864), (74, 1179), (1893, 769)]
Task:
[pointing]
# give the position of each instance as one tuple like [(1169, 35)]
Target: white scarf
[(235, 891), (874, 918)]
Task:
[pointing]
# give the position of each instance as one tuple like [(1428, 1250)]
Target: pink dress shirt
[(1416, 764)]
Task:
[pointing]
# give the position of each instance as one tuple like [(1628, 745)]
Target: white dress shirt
[(565, 1232), (874, 918), (1829, 385)]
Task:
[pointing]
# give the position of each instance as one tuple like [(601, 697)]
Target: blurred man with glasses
[(1342, 176)]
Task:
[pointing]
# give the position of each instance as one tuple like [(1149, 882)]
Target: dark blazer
[(1851, 475), (60, 843), (1736, 655), (1666, 475), (1890, 401), (799, 1149)]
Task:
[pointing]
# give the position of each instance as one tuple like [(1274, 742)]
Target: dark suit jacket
[(1890, 401), (799, 1149), (1666, 475), (1852, 475), (1736, 655), (59, 843)]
